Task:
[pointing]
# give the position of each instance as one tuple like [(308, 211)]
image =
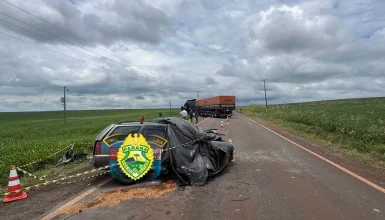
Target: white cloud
[(166, 50), (290, 29)]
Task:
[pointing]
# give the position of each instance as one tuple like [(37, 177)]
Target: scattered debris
[(244, 182), (376, 210), (240, 200), (113, 198), (70, 156)]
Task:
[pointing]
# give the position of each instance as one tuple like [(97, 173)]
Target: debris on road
[(240, 200), (113, 198), (70, 156)]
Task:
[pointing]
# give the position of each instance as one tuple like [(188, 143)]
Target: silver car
[(118, 132)]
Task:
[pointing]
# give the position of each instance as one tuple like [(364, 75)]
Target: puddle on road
[(113, 198)]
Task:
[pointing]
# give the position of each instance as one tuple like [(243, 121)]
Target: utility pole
[(170, 105), (197, 94), (64, 100), (264, 86)]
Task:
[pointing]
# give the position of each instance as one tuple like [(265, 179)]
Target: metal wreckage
[(171, 146)]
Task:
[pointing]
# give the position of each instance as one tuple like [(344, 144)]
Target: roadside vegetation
[(353, 126), (29, 136)]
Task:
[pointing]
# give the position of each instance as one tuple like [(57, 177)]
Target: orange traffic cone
[(15, 192), (222, 126), (227, 120)]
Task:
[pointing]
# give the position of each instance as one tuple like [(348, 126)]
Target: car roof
[(112, 127), (138, 123)]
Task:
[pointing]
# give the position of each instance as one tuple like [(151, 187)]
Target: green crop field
[(28, 136), (351, 125)]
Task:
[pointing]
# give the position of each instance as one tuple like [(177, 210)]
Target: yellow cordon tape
[(27, 173), (41, 159), (86, 178), (58, 180)]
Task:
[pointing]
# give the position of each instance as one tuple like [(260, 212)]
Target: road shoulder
[(368, 171)]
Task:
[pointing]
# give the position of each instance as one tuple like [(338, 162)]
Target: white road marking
[(76, 199), (379, 188)]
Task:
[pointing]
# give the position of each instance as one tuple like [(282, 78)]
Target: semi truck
[(190, 104), (217, 107)]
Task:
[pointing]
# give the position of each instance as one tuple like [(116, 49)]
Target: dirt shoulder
[(372, 172), (45, 198)]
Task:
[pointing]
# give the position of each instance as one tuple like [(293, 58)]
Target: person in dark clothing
[(191, 115), (196, 116)]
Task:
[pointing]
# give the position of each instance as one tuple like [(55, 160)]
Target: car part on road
[(70, 156)]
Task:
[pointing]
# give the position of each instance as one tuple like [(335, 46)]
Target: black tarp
[(192, 163)]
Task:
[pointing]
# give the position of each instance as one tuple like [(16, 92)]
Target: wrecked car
[(182, 149)]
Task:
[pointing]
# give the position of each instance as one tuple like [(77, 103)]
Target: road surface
[(270, 179)]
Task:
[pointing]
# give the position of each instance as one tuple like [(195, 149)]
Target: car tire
[(125, 182)]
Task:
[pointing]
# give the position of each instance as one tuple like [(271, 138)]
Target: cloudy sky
[(142, 54)]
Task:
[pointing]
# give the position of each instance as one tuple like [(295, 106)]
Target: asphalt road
[(270, 178)]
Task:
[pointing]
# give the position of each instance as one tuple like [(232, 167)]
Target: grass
[(353, 126), (29, 136)]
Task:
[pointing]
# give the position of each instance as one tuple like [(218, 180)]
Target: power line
[(39, 37), (55, 51), (54, 35), (100, 60), (146, 71), (71, 56), (58, 27), (74, 36)]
